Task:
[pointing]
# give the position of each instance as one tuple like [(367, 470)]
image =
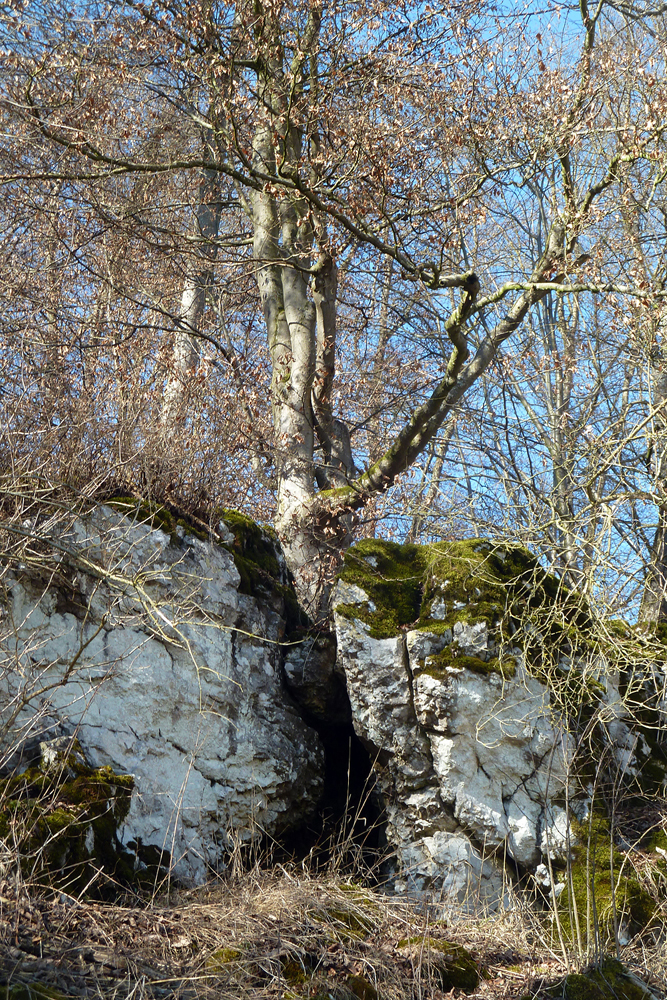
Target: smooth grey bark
[(654, 597), (198, 279)]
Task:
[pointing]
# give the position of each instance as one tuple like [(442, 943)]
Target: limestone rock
[(468, 756), (315, 681), (142, 645)]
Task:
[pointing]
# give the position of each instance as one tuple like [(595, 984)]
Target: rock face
[(469, 751), (141, 642), (464, 669)]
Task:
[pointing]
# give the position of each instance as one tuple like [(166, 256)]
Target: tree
[(296, 157)]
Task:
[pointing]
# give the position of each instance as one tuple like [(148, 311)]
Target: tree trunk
[(193, 302), (654, 598)]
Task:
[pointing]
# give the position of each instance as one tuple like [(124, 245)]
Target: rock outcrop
[(466, 673), (178, 660), (160, 651)]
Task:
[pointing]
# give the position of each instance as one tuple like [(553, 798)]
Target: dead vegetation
[(278, 933)]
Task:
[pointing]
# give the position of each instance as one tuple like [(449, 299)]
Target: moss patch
[(62, 820), (449, 964), (468, 581), (252, 543), (393, 577), (146, 512), (350, 925), (255, 550), (435, 587), (608, 981), (222, 958), (438, 664), (361, 988), (601, 886)]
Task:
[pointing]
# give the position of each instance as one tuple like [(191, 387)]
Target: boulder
[(468, 670), (140, 640)]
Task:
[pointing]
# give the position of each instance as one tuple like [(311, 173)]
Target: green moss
[(651, 761), (351, 924), (608, 981), (190, 530), (660, 632), (654, 839), (504, 587), (145, 512), (255, 552), (63, 819), (450, 964), (157, 516), (475, 580), (438, 664), (392, 576), (252, 542), (293, 973), (601, 883), (578, 987), (361, 988), (221, 958)]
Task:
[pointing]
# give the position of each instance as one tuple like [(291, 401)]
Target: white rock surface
[(468, 761), (164, 671)]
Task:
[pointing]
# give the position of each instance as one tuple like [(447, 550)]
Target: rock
[(479, 747), (315, 681), (467, 754), (472, 638), (143, 644)]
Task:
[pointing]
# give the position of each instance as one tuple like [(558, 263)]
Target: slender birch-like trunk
[(654, 598), (198, 279)]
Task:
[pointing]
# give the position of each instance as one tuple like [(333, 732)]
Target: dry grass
[(270, 934)]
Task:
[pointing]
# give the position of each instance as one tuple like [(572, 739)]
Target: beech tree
[(384, 194)]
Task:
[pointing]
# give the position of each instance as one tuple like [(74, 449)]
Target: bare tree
[(342, 142)]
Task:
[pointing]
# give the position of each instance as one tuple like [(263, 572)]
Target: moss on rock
[(63, 818), (438, 664), (256, 555), (451, 965), (435, 587), (252, 542), (146, 512), (349, 924), (393, 577), (471, 580), (601, 887), (607, 981), (361, 988)]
